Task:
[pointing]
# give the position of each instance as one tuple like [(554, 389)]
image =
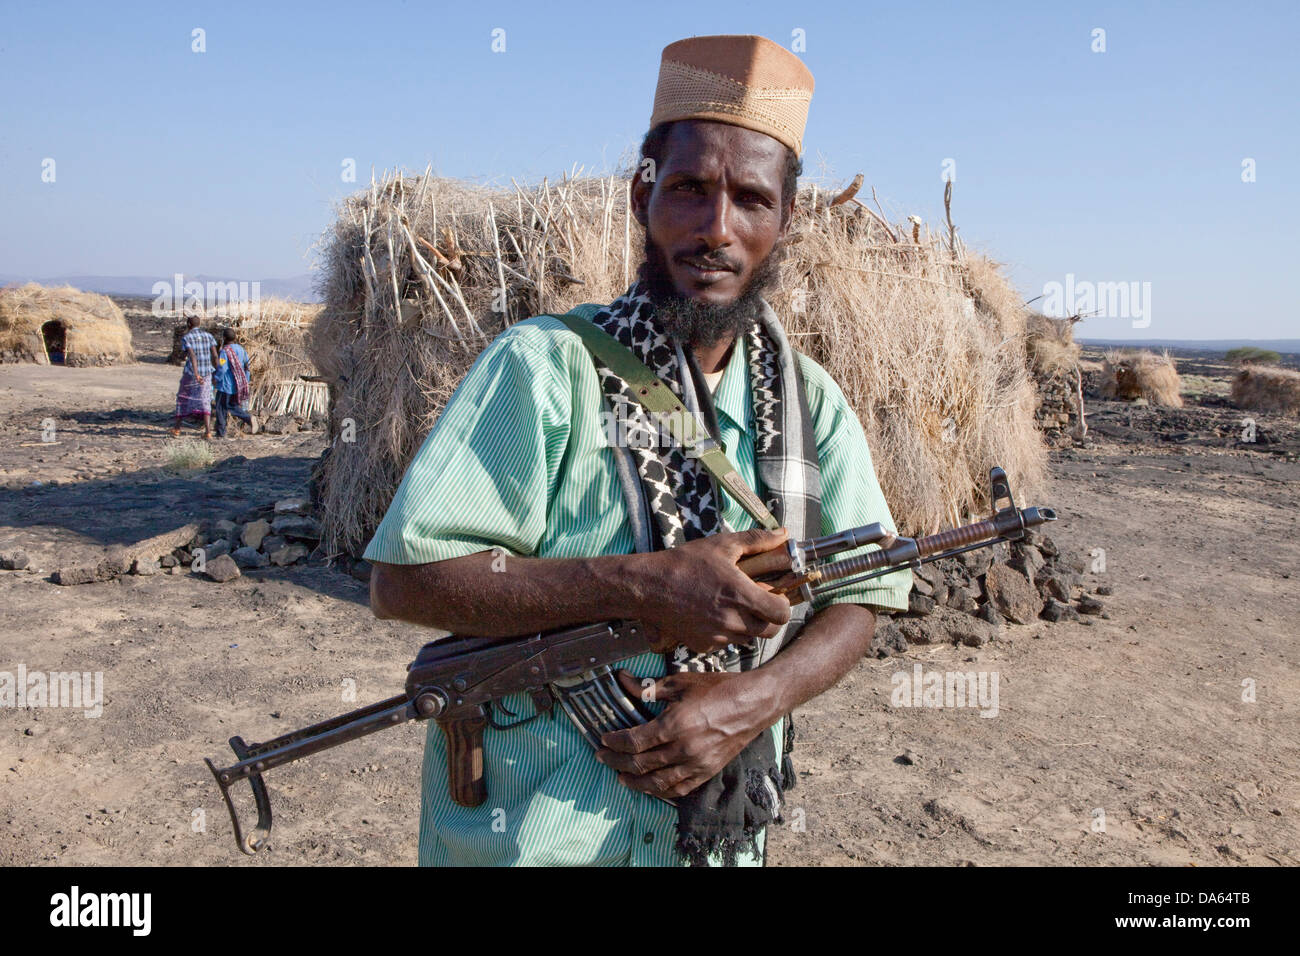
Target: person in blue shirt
[(230, 379)]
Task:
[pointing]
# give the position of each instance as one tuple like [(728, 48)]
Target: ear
[(641, 198), (787, 217)]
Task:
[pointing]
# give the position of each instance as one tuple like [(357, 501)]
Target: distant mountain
[(1201, 345), (296, 288)]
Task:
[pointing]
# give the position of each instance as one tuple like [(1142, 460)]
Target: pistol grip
[(465, 758)]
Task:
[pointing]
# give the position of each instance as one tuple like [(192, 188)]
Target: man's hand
[(697, 596), (709, 720)]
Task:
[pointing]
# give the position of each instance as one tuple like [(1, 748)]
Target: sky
[(1160, 154)]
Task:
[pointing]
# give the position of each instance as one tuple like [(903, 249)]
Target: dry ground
[(1139, 717)]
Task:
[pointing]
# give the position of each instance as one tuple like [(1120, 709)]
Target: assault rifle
[(461, 681)]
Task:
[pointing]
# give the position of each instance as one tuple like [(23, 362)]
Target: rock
[(976, 562), (1055, 612), (183, 557), (921, 586), (144, 566), (249, 558), (989, 614), (941, 595), (280, 425), (930, 574), (289, 554), (361, 570), (254, 532), (1105, 590), (297, 526), (70, 576), (963, 599), (1089, 605), (908, 758), (273, 543), (1012, 594), (216, 549), (198, 541), (1048, 547), (1026, 559), (174, 569), (168, 561), (1055, 586), (887, 640), (225, 527), (916, 631), (919, 604), (295, 506), (971, 633), (13, 560), (222, 569)]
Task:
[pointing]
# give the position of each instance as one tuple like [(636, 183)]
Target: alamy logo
[(946, 689), (84, 691), (102, 909), (1107, 300)]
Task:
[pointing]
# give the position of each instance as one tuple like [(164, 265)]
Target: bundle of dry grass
[(1051, 346), (1267, 389), (62, 325), (1130, 374), (421, 273), (283, 378)]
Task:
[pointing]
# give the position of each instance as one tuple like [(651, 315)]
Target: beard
[(702, 323)]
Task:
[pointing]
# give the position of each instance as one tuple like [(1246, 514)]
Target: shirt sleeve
[(851, 497), (486, 473)]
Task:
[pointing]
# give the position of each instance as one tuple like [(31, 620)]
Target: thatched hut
[(1267, 388), (1132, 374), (62, 326), (275, 332), (420, 273)]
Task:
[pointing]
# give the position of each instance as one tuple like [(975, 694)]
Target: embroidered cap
[(743, 80)]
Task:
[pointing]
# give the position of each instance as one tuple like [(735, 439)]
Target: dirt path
[(1139, 715)]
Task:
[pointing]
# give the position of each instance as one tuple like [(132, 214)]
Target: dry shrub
[(1267, 389), (187, 454), (94, 330), (1130, 374), (283, 377), (929, 351)]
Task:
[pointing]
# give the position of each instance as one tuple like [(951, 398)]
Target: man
[(231, 380), (194, 396), (518, 514)]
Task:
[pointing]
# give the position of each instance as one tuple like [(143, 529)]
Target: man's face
[(714, 227)]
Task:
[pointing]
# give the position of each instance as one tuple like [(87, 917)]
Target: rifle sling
[(660, 400)]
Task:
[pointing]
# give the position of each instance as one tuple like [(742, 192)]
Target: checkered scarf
[(673, 499), (677, 491)]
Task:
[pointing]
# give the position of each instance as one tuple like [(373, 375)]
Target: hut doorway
[(55, 337)]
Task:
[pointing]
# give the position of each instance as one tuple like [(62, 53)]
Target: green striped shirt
[(519, 460)]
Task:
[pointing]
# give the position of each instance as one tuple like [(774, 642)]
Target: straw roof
[(93, 328)]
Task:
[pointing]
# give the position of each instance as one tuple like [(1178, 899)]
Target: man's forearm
[(490, 594), (825, 650)]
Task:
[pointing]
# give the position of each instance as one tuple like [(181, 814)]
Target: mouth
[(704, 270)]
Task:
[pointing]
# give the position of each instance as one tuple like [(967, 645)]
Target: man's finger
[(639, 764), (639, 739), (757, 540), (672, 781)]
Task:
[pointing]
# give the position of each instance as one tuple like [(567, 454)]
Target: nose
[(715, 227)]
